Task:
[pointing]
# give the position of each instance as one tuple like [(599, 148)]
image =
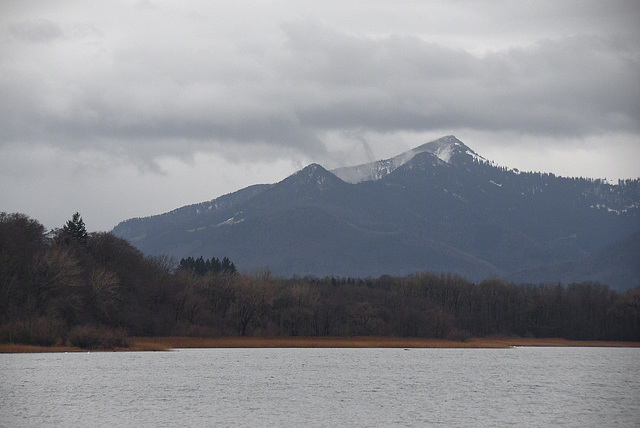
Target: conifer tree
[(76, 229)]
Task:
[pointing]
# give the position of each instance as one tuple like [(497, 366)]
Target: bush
[(86, 337), (183, 329), (43, 331), (7, 333), (92, 337), (459, 335), (115, 338)]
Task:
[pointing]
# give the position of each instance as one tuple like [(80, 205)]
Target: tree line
[(203, 266), (67, 286)]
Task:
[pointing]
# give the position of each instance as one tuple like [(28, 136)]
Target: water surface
[(323, 387)]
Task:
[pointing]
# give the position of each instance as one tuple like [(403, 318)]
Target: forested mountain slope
[(617, 265), (438, 207)]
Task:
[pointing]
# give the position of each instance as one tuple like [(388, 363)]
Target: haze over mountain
[(439, 207)]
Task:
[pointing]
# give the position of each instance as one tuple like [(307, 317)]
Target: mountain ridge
[(438, 207)]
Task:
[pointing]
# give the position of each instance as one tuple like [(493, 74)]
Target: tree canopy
[(94, 295)]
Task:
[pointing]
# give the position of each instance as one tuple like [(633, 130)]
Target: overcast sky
[(125, 109)]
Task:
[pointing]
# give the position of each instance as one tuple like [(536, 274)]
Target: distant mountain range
[(438, 207)]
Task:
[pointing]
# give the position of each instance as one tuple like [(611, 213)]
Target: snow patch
[(444, 152), (476, 156), (443, 148), (612, 210), (230, 222)]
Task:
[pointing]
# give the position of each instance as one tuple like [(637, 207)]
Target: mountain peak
[(311, 171), (313, 168), (313, 174), (444, 148)]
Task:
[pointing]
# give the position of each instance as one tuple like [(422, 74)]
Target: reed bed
[(169, 343), (360, 342)]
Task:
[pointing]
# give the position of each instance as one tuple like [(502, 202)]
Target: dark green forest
[(93, 290)]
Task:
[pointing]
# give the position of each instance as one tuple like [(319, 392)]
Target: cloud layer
[(143, 90)]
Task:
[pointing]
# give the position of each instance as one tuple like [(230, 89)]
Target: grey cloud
[(171, 98), (148, 118), (146, 4), (36, 31), (573, 86), (322, 55)]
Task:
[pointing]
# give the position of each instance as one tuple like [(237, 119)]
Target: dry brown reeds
[(168, 343), (360, 342)]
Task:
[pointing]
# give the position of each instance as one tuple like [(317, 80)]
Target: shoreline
[(171, 343)]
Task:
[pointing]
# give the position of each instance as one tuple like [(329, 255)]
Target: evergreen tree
[(202, 266), (227, 266), (216, 267), (76, 229)]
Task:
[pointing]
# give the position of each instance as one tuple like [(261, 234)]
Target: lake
[(323, 388)]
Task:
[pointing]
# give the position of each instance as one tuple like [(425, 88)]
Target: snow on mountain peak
[(443, 148)]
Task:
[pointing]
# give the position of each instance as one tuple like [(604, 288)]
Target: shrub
[(86, 337), (7, 333), (183, 329), (43, 331), (459, 335), (114, 338), (92, 337)]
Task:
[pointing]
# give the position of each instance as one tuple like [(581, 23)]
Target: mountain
[(616, 264), (438, 207)]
